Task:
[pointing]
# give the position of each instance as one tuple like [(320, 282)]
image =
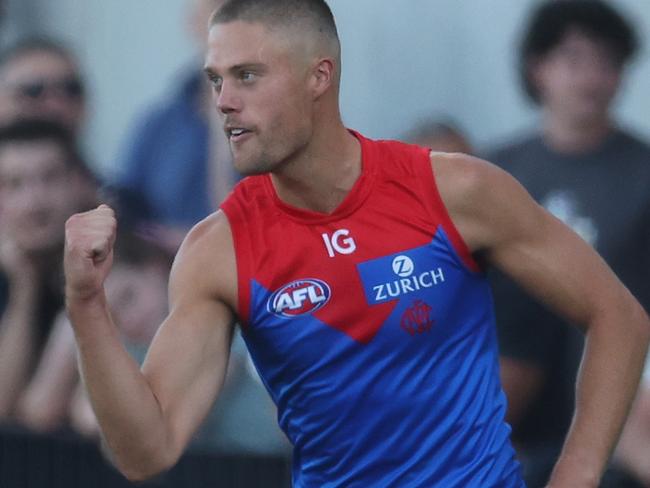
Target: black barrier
[(29, 460)]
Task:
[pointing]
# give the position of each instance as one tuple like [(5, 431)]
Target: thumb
[(101, 252), (103, 248)]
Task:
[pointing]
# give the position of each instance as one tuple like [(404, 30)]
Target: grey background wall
[(402, 61)]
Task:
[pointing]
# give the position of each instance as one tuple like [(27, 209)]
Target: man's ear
[(323, 76), (534, 75)]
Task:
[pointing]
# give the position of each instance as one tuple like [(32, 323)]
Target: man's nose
[(228, 100)]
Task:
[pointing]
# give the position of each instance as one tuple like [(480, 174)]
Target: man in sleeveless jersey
[(355, 268)]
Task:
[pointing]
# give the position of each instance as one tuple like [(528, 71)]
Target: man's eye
[(216, 82), (247, 76)]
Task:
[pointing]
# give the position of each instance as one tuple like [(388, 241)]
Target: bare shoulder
[(205, 263), (461, 177), (484, 202)]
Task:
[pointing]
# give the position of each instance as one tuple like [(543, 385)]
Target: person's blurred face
[(579, 78), (38, 192), (261, 90), (137, 296), (42, 84)]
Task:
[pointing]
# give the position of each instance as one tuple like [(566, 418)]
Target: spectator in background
[(440, 135), (593, 175), (43, 180), (177, 166), (137, 296), (40, 78)]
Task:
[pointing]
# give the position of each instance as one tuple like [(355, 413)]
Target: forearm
[(45, 402), (126, 408), (16, 347), (612, 364), (44, 405)]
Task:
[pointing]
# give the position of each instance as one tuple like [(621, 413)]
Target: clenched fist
[(89, 240)]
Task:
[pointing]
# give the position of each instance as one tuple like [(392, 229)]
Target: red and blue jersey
[(373, 330)]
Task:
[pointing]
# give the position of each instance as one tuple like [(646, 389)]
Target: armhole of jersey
[(438, 206), (242, 257)]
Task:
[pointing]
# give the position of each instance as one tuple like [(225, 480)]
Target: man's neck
[(572, 137), (321, 178)]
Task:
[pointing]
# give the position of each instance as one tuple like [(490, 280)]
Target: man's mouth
[(236, 133)]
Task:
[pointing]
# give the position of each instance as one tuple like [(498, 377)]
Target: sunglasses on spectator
[(70, 88)]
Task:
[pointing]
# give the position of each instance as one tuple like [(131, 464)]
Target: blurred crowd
[(175, 172), (579, 163)]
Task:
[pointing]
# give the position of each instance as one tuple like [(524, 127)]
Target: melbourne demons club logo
[(299, 297), (417, 318)]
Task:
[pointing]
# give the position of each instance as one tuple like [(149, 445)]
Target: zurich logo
[(299, 297), (403, 266)]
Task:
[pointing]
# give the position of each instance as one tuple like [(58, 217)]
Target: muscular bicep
[(186, 364), (510, 231), (187, 361)]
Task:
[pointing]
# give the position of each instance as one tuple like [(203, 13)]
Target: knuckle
[(72, 221)]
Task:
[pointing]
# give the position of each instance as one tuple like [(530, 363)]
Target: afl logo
[(403, 266), (299, 297)]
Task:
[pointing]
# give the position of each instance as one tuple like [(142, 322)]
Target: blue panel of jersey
[(420, 405)]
